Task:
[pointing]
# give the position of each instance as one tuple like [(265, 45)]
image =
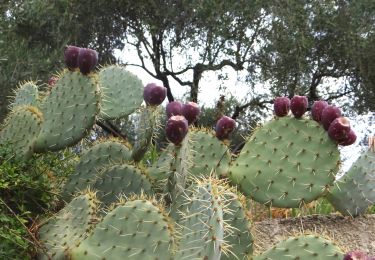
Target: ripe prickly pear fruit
[(71, 57), (356, 255), (281, 106), (317, 109), (176, 129), (329, 114), (174, 109), (339, 129), (87, 60), (191, 111), (224, 127), (350, 139), (153, 94), (298, 105)]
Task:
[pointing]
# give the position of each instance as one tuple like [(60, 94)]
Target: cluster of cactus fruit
[(189, 204)]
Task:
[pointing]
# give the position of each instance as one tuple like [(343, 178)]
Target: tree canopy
[(291, 47)]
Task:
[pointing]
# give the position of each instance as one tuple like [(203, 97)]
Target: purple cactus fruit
[(191, 111), (174, 109), (298, 105), (329, 114), (317, 109), (339, 129), (71, 57), (224, 127), (350, 139), (87, 60), (281, 106), (176, 129), (153, 94), (356, 255)]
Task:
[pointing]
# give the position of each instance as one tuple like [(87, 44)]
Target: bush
[(27, 190)]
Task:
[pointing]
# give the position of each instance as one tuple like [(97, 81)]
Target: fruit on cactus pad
[(350, 139), (281, 106), (174, 109), (224, 127), (356, 255), (329, 114), (87, 60), (176, 129), (298, 105), (191, 111), (153, 94), (71, 56), (317, 109), (339, 129)]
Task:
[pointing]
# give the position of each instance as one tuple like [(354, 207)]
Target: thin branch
[(253, 102), (110, 128)]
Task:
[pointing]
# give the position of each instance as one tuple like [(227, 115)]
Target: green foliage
[(27, 190)]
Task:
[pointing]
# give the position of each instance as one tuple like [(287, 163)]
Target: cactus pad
[(69, 112), (162, 168), (303, 248), (20, 129), (122, 92), (68, 227), (354, 192), (136, 230), (118, 180), (286, 163), (26, 95), (92, 161)]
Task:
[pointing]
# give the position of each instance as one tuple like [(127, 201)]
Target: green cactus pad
[(286, 163), (162, 168), (102, 154), (355, 191), (207, 154), (69, 111), (20, 130), (69, 227), (145, 131), (200, 218), (238, 236), (122, 92), (303, 248), (121, 180), (26, 95), (137, 230)]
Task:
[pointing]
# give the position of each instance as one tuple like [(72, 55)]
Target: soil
[(348, 233)]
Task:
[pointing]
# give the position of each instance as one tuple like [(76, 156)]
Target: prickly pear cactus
[(286, 163), (69, 227), (162, 168), (138, 229), (303, 248), (238, 236), (69, 112), (200, 218), (145, 131), (122, 92), (354, 192), (20, 130), (104, 153), (121, 180), (26, 95)]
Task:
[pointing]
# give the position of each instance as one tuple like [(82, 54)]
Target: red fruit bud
[(339, 129), (329, 114), (176, 129), (281, 106), (224, 127), (298, 105), (317, 109), (355, 255), (153, 94), (174, 109), (191, 111), (71, 56), (87, 60)]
